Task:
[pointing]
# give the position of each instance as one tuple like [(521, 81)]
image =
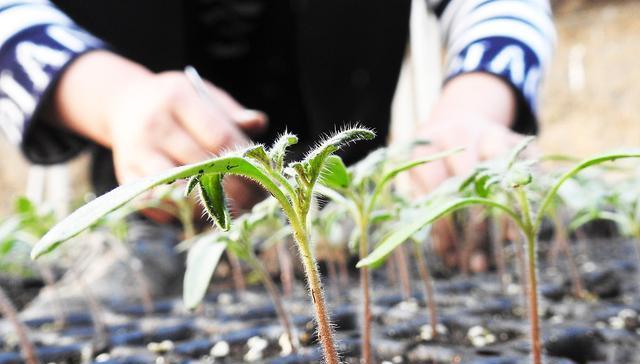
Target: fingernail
[(249, 116)]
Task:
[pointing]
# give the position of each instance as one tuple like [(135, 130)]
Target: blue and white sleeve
[(37, 43), (513, 39)]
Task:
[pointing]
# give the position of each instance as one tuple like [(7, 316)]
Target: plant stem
[(522, 273), (325, 332), (364, 286), (536, 346), (95, 308), (343, 270), (137, 271), (332, 271), (286, 268), (530, 236), (636, 248), (185, 215), (236, 273), (498, 236), (392, 272), (145, 292), (9, 312), (473, 234), (403, 272), (427, 282), (561, 242), (272, 290), (49, 279)]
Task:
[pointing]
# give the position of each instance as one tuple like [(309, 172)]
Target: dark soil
[(480, 325), (21, 290)]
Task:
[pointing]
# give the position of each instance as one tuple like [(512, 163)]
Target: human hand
[(152, 122), (475, 112)]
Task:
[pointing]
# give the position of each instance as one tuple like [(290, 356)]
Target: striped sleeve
[(37, 42), (513, 39)]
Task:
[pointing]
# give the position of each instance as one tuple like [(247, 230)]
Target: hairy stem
[(9, 312), (325, 332), (364, 286), (272, 290), (429, 295)]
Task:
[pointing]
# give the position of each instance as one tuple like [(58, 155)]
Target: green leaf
[(598, 159), (316, 158), (366, 168), (380, 216), (193, 182), (519, 148), (8, 230), (279, 149), (89, 214), (354, 241), (507, 172), (258, 154), (582, 219), (470, 180), (298, 170), (388, 176), (483, 184), (24, 206), (6, 246), (212, 195), (335, 174), (393, 173), (518, 177), (427, 216), (202, 260)]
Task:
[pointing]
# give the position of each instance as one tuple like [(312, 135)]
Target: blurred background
[(590, 101)]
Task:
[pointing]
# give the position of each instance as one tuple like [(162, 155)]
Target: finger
[(246, 119), (427, 178), (497, 143), (251, 121), (463, 162), (144, 164), (213, 130), (242, 193), (181, 147)]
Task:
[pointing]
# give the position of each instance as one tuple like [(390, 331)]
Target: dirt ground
[(591, 95)]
